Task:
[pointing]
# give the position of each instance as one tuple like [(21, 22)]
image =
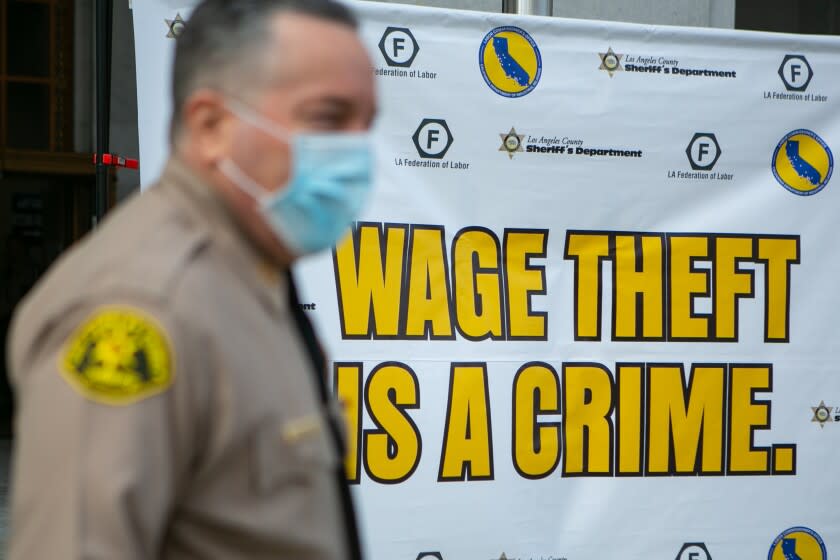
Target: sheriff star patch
[(118, 356)]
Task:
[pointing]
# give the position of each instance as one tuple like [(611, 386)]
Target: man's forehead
[(303, 43), (319, 59)]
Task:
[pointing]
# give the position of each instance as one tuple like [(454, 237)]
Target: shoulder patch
[(118, 356)]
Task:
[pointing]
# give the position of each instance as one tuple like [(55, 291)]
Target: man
[(171, 393)]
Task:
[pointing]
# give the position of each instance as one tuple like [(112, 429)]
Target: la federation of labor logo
[(798, 543), (118, 356), (510, 61), (802, 162)]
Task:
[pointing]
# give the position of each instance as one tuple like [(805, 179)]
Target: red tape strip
[(113, 160)]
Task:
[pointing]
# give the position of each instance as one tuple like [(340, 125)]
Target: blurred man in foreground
[(171, 394)]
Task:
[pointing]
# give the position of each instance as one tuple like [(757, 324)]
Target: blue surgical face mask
[(330, 180)]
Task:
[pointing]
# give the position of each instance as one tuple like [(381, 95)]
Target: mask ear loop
[(232, 171), (242, 180), (248, 115)]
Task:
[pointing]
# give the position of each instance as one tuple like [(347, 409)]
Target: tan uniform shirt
[(167, 405)]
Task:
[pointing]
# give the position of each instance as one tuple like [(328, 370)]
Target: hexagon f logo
[(795, 72), (398, 46), (432, 138), (694, 551), (703, 151)]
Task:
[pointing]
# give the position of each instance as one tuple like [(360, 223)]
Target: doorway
[(41, 215)]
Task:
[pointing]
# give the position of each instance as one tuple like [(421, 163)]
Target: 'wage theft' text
[(402, 282)]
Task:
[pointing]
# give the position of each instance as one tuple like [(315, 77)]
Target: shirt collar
[(206, 206)]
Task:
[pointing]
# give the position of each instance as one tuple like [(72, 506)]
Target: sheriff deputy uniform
[(172, 399)]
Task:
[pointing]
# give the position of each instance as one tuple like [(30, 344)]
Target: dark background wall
[(789, 16)]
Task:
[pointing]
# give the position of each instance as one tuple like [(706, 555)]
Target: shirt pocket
[(292, 451)]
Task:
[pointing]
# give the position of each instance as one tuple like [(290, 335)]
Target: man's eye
[(327, 120)]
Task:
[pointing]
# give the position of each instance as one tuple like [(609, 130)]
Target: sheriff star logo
[(822, 414), (610, 62), (176, 26), (511, 142)]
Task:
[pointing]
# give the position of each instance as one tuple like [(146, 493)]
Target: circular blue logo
[(510, 61), (798, 542), (802, 162)]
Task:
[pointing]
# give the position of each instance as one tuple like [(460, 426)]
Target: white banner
[(589, 312)]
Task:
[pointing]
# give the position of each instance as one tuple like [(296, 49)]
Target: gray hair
[(222, 45)]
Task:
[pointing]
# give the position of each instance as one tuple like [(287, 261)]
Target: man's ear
[(208, 124)]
